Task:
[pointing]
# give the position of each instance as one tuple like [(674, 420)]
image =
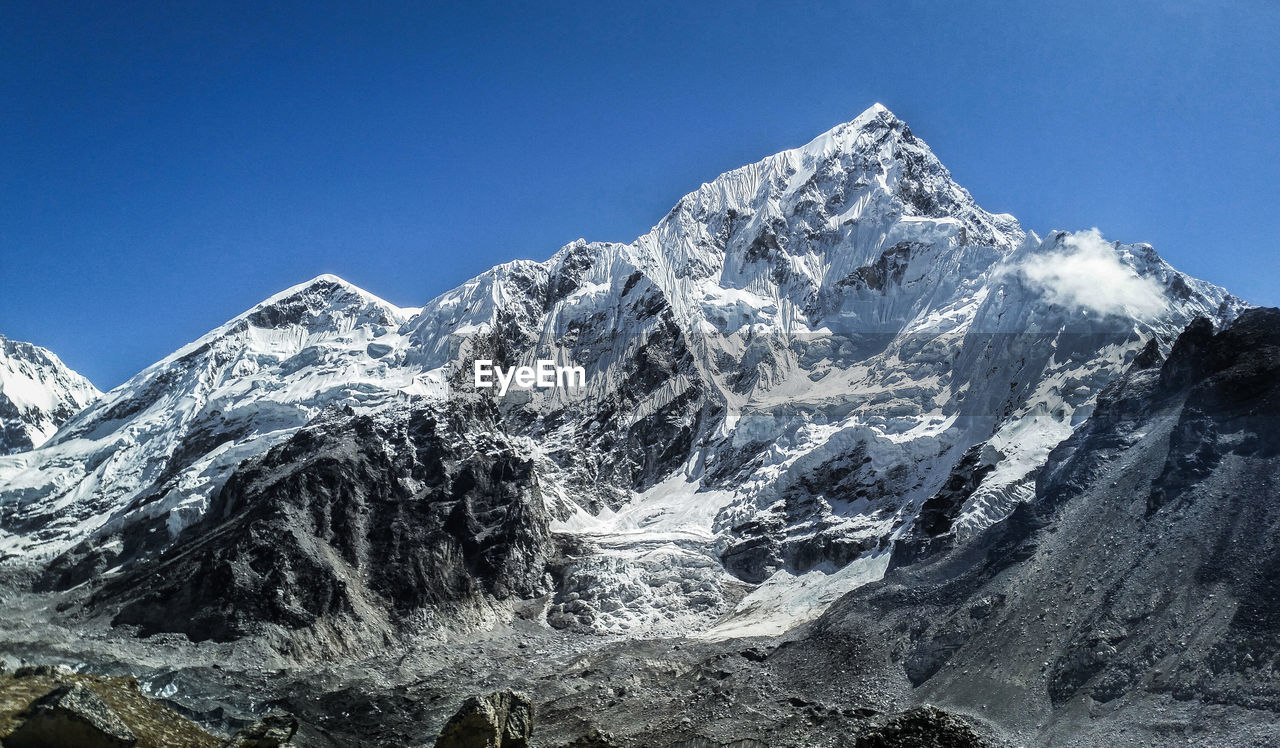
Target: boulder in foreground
[(503, 719)]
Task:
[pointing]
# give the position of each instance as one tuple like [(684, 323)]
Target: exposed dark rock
[(71, 715), (925, 727), (594, 739), (272, 731), (701, 742), (503, 719), (410, 511), (36, 671), (1142, 565), (1149, 356), (888, 269), (932, 525), (54, 706), (575, 260), (801, 533)]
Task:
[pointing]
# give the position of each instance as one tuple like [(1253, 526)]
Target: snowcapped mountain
[(160, 444), (37, 394), (809, 362)]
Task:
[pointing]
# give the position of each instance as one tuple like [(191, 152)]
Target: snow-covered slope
[(808, 361), (160, 444), (38, 393)]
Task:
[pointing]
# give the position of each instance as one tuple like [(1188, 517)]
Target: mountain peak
[(876, 111), (328, 289), (821, 200), (325, 283), (859, 132), (38, 393)]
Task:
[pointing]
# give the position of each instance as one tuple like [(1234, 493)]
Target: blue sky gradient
[(164, 167)]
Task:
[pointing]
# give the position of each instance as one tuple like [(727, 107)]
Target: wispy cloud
[(1087, 272)]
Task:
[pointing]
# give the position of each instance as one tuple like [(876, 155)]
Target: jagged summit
[(875, 118), (327, 285), (823, 209), (325, 291)]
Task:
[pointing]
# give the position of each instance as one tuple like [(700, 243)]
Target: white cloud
[(1087, 272)]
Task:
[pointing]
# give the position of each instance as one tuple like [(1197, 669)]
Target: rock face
[(924, 727), (1143, 570), (38, 393), (48, 707), (595, 739), (366, 522), (272, 731), (503, 719), (71, 716)]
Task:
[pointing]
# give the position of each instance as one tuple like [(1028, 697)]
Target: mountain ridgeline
[(814, 368)]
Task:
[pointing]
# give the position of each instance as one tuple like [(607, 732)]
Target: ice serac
[(38, 393), (811, 365)]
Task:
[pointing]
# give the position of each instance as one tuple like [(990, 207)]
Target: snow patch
[(786, 600)]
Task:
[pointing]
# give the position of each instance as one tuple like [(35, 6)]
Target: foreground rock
[(272, 731), (503, 719), (48, 707), (71, 715), (925, 727), (44, 707), (596, 739)]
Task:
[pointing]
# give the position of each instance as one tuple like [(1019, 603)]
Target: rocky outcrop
[(272, 731), (700, 742), (47, 707), (593, 739), (1144, 568), (503, 719), (71, 715), (925, 727), (371, 521)]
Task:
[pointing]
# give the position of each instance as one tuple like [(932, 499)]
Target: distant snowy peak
[(38, 393), (325, 324), (325, 303), (165, 440), (1084, 274)]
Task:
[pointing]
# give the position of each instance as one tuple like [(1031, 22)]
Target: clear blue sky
[(165, 166)]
